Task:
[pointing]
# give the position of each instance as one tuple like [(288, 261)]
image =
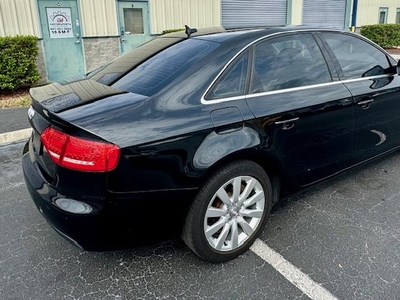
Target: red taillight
[(80, 154)]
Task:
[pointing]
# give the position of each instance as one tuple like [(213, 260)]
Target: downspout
[(289, 11), (354, 16)]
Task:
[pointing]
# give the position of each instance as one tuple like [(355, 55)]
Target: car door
[(371, 77), (302, 106)]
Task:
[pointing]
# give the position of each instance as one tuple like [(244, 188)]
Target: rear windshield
[(155, 73)]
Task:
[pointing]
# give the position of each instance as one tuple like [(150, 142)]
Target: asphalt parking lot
[(342, 235)]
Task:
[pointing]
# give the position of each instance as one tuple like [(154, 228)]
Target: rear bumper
[(78, 229), (121, 221)]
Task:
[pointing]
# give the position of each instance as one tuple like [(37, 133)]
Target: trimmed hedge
[(18, 62), (171, 30), (385, 35)]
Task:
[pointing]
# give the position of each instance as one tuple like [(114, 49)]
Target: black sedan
[(201, 133)]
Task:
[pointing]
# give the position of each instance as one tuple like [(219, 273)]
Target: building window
[(398, 16), (133, 18), (383, 13)]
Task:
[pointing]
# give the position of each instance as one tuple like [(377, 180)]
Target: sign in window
[(59, 22)]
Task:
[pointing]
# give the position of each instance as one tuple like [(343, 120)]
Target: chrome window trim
[(299, 88), (367, 78), (316, 85), (211, 101), (208, 102), (204, 101), (249, 96)]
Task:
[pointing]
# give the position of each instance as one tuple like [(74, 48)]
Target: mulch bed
[(393, 50), (7, 95)]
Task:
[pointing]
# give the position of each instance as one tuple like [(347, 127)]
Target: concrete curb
[(15, 136)]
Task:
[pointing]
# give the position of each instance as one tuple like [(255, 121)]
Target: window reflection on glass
[(155, 73), (133, 20), (356, 57), (288, 62), (232, 82), (383, 12)]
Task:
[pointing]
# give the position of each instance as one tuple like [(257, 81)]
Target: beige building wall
[(19, 17), (368, 11), (99, 18), (174, 14)]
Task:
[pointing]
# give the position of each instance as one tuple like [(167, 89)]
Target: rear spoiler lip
[(56, 97)]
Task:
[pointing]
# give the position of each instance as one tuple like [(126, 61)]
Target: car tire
[(229, 212)]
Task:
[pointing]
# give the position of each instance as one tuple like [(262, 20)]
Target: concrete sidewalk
[(14, 125)]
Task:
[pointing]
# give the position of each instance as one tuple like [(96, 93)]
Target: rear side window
[(233, 81), (286, 62), (356, 57), (155, 73)]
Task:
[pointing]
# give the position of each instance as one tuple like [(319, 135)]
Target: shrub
[(18, 62), (385, 35), (172, 30)]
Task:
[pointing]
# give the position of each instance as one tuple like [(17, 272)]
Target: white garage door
[(239, 13), (326, 13)]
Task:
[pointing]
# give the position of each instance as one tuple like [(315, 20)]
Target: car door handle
[(287, 124), (365, 104)]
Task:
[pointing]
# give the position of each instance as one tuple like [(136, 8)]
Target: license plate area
[(44, 162), (37, 144)]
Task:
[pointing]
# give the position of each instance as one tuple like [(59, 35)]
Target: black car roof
[(250, 33)]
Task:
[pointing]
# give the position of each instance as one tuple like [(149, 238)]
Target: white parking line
[(293, 274)]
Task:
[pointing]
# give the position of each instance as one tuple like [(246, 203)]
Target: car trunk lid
[(48, 102)]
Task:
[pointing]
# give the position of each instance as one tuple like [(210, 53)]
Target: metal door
[(325, 13), (236, 13), (133, 24), (62, 41)]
